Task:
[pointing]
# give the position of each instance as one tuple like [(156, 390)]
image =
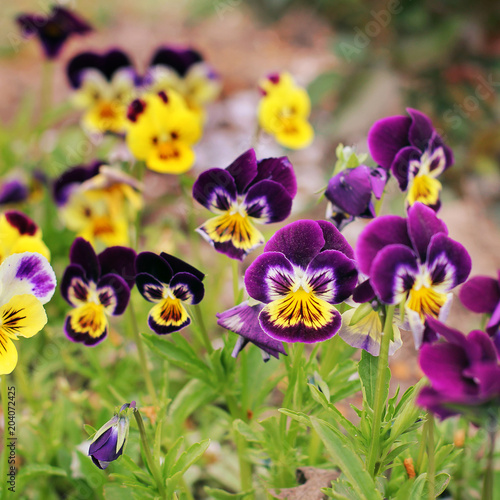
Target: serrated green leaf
[(347, 460), (296, 415), (190, 456), (441, 481), (30, 471), (368, 370), (171, 456), (217, 494), (246, 431)]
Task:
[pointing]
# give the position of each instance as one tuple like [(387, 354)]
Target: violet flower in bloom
[(13, 191), (96, 286), (464, 373), (169, 282), (413, 261), (243, 319), (71, 179), (247, 191), (305, 269), (53, 30), (412, 150), (350, 194), (109, 441), (481, 294)]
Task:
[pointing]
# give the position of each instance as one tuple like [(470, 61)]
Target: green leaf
[(31, 471), (246, 431), (347, 460), (89, 430), (113, 491), (190, 456), (368, 369), (171, 456), (441, 481), (296, 415), (224, 495), (139, 473)]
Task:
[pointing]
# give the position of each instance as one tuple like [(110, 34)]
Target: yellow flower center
[(424, 300), (425, 189)]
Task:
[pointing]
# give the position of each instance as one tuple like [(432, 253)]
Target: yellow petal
[(89, 319), (425, 189), (171, 158), (23, 315), (30, 244), (8, 355)]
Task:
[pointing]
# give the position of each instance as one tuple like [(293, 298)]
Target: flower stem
[(153, 466), (236, 281), (380, 401), (142, 355), (46, 88), (431, 466), (5, 455), (202, 329), (489, 477)]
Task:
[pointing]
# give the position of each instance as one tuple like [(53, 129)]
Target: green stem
[(380, 401), (431, 466), (46, 88), (421, 451), (202, 329), (460, 473), (489, 477), (5, 454), (153, 466), (142, 355), (236, 281)]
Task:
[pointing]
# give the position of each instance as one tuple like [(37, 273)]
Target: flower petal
[(154, 265), (87, 324), (149, 287), (74, 286), (187, 288), (27, 273), (8, 355), (168, 316), (334, 240), (215, 189), (178, 58), (268, 201), (421, 130), (119, 260), (83, 254), (481, 294), (243, 170), (279, 170), (401, 165), (113, 293), (179, 266), (300, 241), (23, 315)]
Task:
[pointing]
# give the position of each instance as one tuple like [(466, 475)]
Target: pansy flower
[(96, 286), (305, 269), (53, 30), (104, 86), (413, 151), (350, 194), (162, 131), (246, 192), (170, 283), (481, 294), (183, 69), (98, 202), (413, 261), (464, 374), (243, 320), (284, 110), (19, 233), (26, 283), (13, 191)]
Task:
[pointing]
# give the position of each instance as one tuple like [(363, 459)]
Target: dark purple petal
[(179, 59), (379, 178), (332, 276), (387, 137), (156, 266), (243, 170), (149, 287), (481, 294), (434, 401), (448, 261), (119, 260), (334, 240), (269, 276), (493, 326), (20, 221), (401, 165), (450, 334), (363, 292), (327, 324), (437, 142), (82, 253), (393, 273), (215, 189), (268, 201), (300, 241), (74, 285), (107, 64), (279, 170), (487, 377), (179, 266), (481, 348), (73, 177), (13, 191), (104, 447), (244, 320), (383, 231), (227, 248), (421, 130), (187, 288), (423, 224), (114, 293)]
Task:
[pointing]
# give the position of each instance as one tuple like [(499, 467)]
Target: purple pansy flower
[(464, 373), (243, 319), (350, 194), (109, 441), (245, 192), (96, 286), (169, 282), (413, 261), (53, 30), (413, 151), (13, 191), (481, 294), (305, 269)]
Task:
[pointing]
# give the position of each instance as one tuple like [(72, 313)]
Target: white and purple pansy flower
[(243, 319), (247, 191), (305, 269), (413, 261), (97, 286), (350, 194), (170, 283), (413, 151)]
